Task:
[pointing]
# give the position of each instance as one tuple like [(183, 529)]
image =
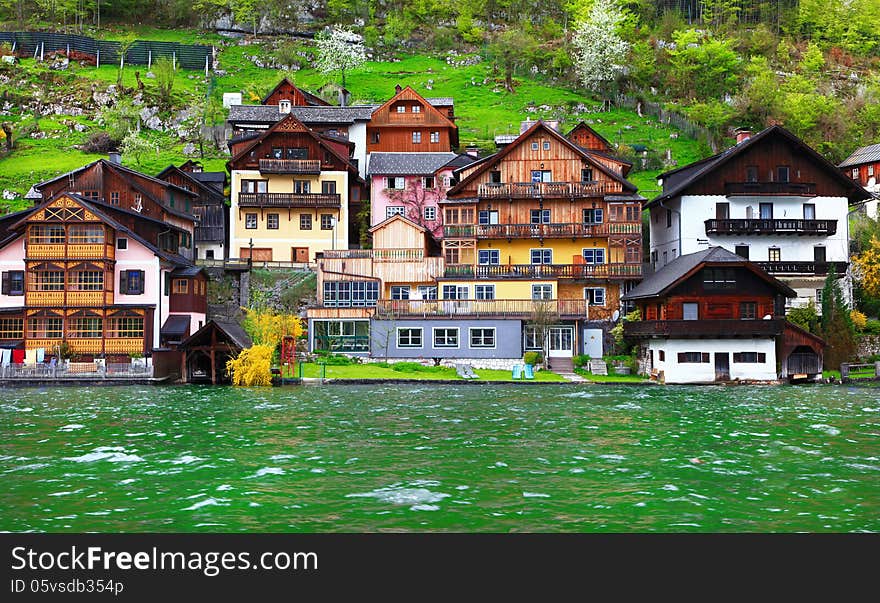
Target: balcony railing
[(402, 254), (753, 226), (540, 231), (288, 200), (545, 190), (803, 268), (530, 271), (290, 166), (695, 329), (505, 308), (86, 299), (807, 189), (73, 251)]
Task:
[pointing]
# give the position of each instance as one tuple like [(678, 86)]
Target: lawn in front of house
[(408, 370), (611, 377)]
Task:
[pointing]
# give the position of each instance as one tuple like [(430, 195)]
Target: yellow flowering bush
[(252, 367)]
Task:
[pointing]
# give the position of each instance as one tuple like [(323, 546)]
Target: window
[(487, 217), (489, 257), (819, 254), (401, 108), (546, 145), (409, 337), (86, 234), (782, 173), (541, 256), (495, 177), (543, 291), (87, 280), (692, 357), (742, 251), (131, 282), (351, 294), (595, 296), (429, 213), (46, 235), (633, 254), (665, 258), (460, 216), (818, 297), (327, 222), (302, 187), (400, 292), (272, 221), (427, 292), (85, 327), (328, 187), (587, 175), (446, 337), (180, 286), (11, 328), (541, 176), (722, 211), (250, 221), (114, 198), (48, 280), (305, 221), (417, 137), (593, 216), (167, 284), (435, 136), (748, 310), (534, 145), (719, 278), (452, 255), (121, 244), (284, 106), (751, 173), (661, 355), (690, 311), (484, 291), (540, 216), (594, 256), (45, 328), (395, 182), (428, 182), (870, 170), (128, 327), (455, 292), (374, 137), (532, 339), (766, 211), (395, 210), (809, 211), (668, 218), (91, 195), (749, 357), (13, 282), (774, 254), (483, 338), (254, 186)]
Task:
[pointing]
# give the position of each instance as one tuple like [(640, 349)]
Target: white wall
[(12, 258), (357, 133), (704, 372)]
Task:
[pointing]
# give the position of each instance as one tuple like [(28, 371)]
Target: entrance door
[(261, 254), (593, 343), (561, 342), (722, 366), (299, 254)]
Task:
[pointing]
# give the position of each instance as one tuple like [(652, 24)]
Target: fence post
[(877, 368), (149, 60), (844, 371), (98, 59)]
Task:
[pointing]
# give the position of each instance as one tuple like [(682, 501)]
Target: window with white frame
[(593, 216), (455, 292), (542, 291), (532, 339), (489, 257), (594, 256), (400, 292), (595, 296), (484, 291), (416, 108), (394, 210), (482, 337), (401, 108), (534, 145), (540, 216), (410, 337), (272, 221), (417, 137), (395, 182), (546, 145), (446, 337), (435, 136), (541, 256), (485, 216), (250, 221), (428, 181), (430, 213), (427, 292)]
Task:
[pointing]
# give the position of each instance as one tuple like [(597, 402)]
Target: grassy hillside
[(483, 107)]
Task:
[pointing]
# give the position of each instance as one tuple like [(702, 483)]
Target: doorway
[(560, 342), (593, 343), (722, 366)]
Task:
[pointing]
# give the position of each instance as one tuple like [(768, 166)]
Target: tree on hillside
[(339, 49), (702, 66), (599, 50), (508, 51)]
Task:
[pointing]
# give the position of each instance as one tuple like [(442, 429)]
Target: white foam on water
[(760, 435), (639, 504), (866, 409), (318, 470), (111, 454), (500, 464), (535, 495), (71, 427), (130, 480), (67, 493), (208, 502), (578, 395), (413, 497), (462, 487), (224, 487), (135, 435), (424, 508), (832, 431), (670, 488), (269, 471), (282, 457), (185, 460), (612, 457), (627, 406), (577, 470)]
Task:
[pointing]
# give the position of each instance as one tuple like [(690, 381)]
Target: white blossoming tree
[(599, 50), (339, 49)]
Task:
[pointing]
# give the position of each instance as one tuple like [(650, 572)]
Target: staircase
[(560, 365), (598, 367)]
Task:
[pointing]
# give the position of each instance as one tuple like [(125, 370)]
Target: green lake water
[(440, 457)]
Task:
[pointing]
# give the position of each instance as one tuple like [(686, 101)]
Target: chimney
[(742, 134), (473, 151), (115, 157), (397, 89)]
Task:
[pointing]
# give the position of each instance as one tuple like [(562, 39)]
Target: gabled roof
[(397, 217), (232, 330), (310, 98), (493, 160), (683, 267), (868, 154), (440, 101), (202, 183), (407, 164), (583, 126), (677, 181), (409, 94)]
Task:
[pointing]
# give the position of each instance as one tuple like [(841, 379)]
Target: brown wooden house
[(212, 232), (410, 123)]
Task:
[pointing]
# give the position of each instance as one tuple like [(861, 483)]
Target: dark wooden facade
[(210, 205), (586, 137), (286, 90), (408, 123), (188, 293)]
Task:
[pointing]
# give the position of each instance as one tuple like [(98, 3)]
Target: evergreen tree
[(836, 326)]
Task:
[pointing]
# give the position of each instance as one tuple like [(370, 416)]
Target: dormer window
[(284, 106), (416, 108)]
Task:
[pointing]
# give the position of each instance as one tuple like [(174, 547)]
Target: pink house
[(412, 185)]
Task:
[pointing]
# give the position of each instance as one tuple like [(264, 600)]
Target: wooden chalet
[(285, 90), (204, 354), (209, 207), (410, 123)]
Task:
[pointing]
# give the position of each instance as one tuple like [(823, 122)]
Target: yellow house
[(294, 193)]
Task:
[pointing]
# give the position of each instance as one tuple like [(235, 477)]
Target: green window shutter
[(123, 282), (5, 283)]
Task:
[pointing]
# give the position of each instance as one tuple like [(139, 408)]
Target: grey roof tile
[(405, 164), (307, 115), (862, 155)]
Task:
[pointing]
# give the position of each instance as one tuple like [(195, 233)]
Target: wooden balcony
[(538, 271), (822, 228), (83, 345), (498, 308), (44, 252), (89, 298), (50, 345), (123, 345), (546, 190), (290, 166), (289, 200), (803, 189), (803, 268), (402, 254), (73, 252), (566, 230), (701, 329), (44, 298)]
